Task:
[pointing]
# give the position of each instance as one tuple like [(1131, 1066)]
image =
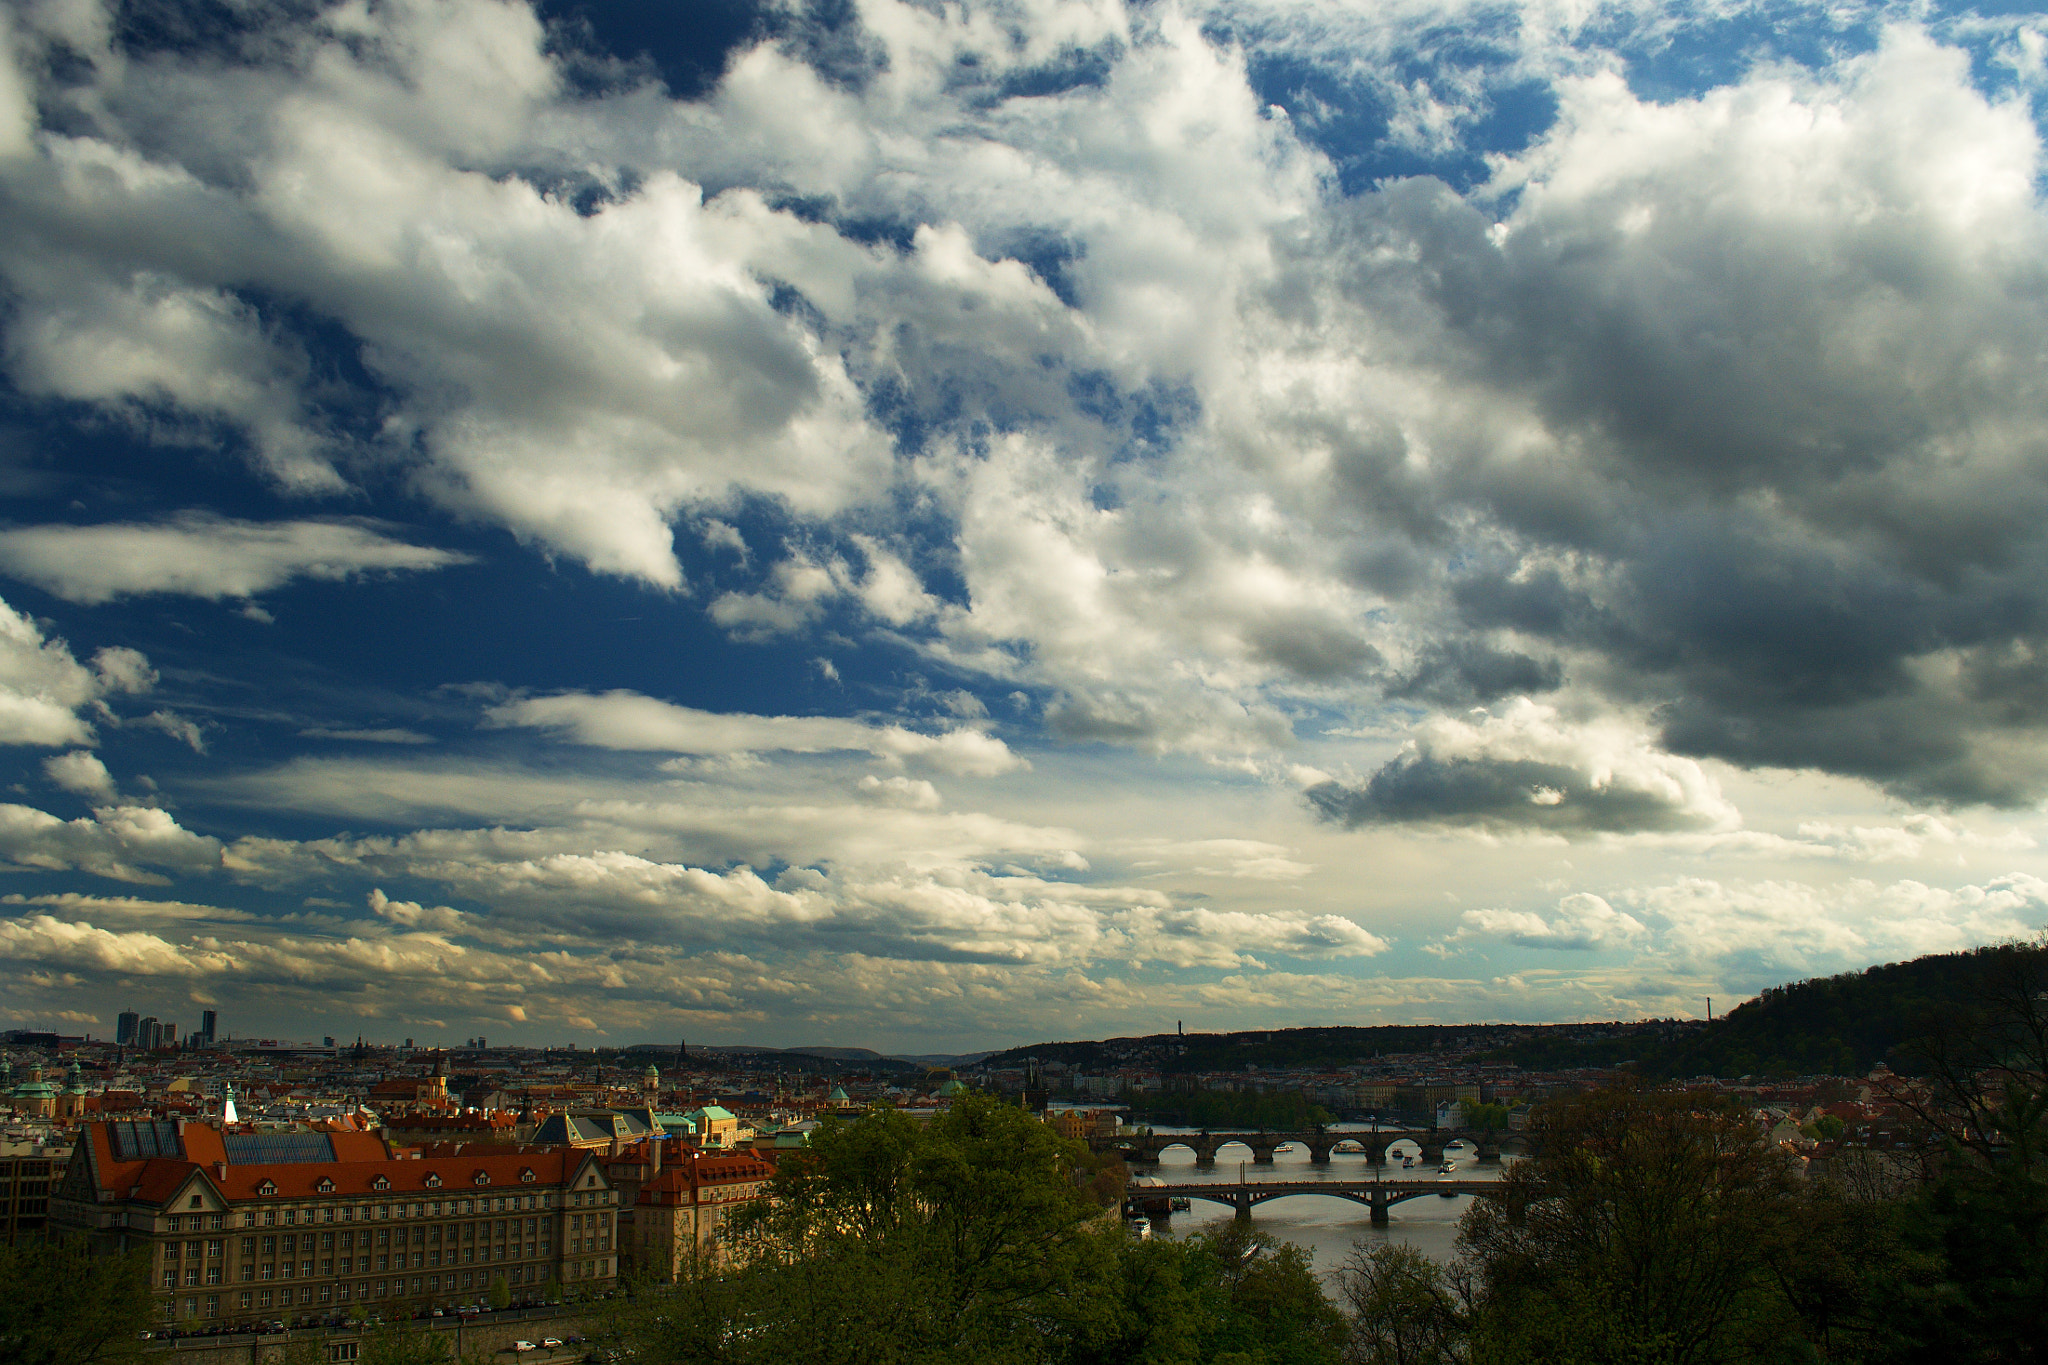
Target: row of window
[(258, 1300), (348, 1241), (362, 1213), (351, 1265)]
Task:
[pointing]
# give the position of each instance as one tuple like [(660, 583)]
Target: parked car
[(551, 1343), (524, 1346)]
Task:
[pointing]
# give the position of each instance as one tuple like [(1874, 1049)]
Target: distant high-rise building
[(209, 1021), (148, 1033), (124, 1028), (482, 1042), (169, 1037)]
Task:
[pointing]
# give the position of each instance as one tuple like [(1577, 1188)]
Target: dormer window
[(381, 1183), (433, 1182), (526, 1174), (481, 1178), (267, 1187), (326, 1185)]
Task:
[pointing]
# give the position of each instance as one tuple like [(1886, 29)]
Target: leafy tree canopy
[(980, 1236), (65, 1306)]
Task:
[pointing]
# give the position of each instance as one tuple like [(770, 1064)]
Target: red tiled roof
[(675, 1183), (362, 1163)]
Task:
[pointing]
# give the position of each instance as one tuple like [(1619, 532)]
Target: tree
[(65, 1306), (501, 1293), (1641, 1232), (1229, 1295), (1272, 1310), (979, 1236), (399, 1343), (1405, 1308), (964, 1238), (1487, 1118), (1985, 1106)]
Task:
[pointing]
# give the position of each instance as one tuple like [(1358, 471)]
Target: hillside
[(1836, 1025), (1174, 1053)]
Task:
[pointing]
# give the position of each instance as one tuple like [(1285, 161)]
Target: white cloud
[(390, 735), (43, 687), (120, 842), (44, 939), (81, 773), (187, 732), (628, 720), (1799, 928), (911, 793), (1582, 922), (204, 556), (1746, 930)]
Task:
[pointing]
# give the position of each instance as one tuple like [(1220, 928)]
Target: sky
[(935, 526)]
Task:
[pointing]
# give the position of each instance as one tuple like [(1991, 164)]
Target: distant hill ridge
[(1836, 1025), (830, 1054)]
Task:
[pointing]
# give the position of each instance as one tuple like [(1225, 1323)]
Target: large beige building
[(679, 1212), (246, 1227)]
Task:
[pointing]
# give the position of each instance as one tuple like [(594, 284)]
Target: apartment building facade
[(679, 1213), (248, 1227)]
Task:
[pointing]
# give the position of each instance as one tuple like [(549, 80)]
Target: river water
[(1330, 1228)]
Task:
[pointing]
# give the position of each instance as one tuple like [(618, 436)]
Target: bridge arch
[(1156, 1201)]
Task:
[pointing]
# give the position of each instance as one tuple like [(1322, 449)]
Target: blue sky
[(935, 527)]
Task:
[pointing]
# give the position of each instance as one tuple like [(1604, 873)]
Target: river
[(1329, 1228)]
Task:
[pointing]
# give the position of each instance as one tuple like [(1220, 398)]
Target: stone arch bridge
[(1156, 1201), (1145, 1148)]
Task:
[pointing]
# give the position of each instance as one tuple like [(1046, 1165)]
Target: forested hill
[(1835, 1025), (1334, 1046)]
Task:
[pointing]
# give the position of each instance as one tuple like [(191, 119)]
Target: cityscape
[(1031, 682)]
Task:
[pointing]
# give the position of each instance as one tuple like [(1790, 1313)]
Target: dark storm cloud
[(1309, 646), (1765, 461), (1467, 672), (1486, 793)]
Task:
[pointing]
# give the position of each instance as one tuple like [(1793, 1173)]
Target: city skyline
[(936, 528)]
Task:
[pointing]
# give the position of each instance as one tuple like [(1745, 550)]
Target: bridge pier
[(1319, 1153), (1489, 1154), (1205, 1151), (1379, 1209), (1262, 1154)]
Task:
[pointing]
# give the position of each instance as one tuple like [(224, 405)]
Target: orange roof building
[(677, 1218), (250, 1227)]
